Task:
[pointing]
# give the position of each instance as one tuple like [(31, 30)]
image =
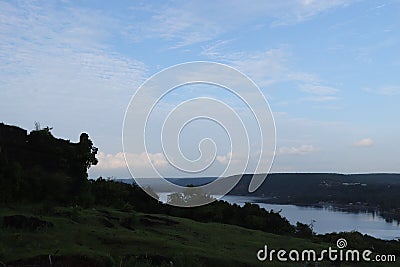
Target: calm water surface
[(327, 220)]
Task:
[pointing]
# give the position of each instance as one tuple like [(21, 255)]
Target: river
[(327, 220)]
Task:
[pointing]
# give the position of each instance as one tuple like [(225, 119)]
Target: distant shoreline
[(389, 216)]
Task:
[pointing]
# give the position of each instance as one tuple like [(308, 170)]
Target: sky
[(328, 69)]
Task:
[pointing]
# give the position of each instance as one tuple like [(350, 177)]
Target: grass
[(108, 237)]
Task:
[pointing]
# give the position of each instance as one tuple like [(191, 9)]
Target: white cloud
[(301, 150), (117, 161), (110, 161), (229, 164), (224, 159), (365, 142), (115, 164)]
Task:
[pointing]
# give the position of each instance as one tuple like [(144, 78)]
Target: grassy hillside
[(107, 237)]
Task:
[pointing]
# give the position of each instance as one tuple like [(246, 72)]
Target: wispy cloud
[(318, 89), (301, 150), (319, 98), (193, 22), (302, 10), (365, 142), (264, 67), (65, 40), (319, 93), (390, 90), (270, 67), (55, 58)]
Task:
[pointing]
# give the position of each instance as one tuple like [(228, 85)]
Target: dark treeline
[(131, 197), (38, 167)]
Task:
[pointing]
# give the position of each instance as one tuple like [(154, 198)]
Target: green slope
[(106, 237)]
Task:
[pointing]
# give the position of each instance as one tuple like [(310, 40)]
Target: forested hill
[(373, 190), (292, 183), (36, 165)]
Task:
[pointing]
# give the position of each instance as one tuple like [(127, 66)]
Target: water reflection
[(330, 219)]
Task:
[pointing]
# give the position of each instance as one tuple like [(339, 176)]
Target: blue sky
[(329, 70)]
